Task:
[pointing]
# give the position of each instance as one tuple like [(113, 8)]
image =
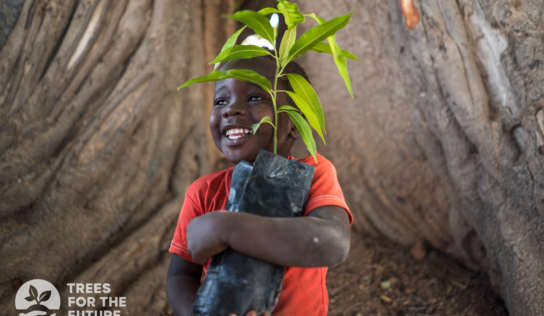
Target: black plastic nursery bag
[(236, 283)]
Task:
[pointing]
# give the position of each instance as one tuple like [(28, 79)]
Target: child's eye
[(255, 98), (221, 102)]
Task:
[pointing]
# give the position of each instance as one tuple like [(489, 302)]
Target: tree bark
[(442, 143), (97, 147), (443, 140)]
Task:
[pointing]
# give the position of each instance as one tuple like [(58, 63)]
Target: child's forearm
[(319, 239), (182, 283), (181, 291), (309, 241)]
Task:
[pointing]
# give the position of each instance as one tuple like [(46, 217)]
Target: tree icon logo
[(37, 298)]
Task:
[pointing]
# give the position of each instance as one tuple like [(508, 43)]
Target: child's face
[(240, 104)]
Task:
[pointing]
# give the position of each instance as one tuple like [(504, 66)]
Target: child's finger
[(232, 314), (251, 313)]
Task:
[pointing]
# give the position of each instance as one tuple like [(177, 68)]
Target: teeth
[(238, 131)]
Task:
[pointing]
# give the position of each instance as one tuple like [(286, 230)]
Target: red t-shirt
[(304, 291)]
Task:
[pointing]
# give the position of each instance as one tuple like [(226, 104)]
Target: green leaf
[(257, 22), (349, 55), (318, 19), (341, 63), (291, 14), (287, 42), (229, 43), (265, 119), (285, 108), (268, 11), (240, 51), (305, 90), (339, 58), (308, 112), (318, 34), (240, 74), (326, 48), (305, 132)]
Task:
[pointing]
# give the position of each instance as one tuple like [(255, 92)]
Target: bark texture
[(442, 144), (97, 147), (443, 140)]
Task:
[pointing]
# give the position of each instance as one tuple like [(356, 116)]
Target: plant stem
[(274, 101)]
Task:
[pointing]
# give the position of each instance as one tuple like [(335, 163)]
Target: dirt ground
[(379, 278)]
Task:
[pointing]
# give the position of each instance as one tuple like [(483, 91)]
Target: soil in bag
[(236, 283)]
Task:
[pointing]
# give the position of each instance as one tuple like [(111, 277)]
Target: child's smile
[(235, 133), (236, 130), (240, 104)]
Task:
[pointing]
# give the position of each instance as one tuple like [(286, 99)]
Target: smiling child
[(306, 245)]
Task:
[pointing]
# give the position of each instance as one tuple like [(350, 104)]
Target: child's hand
[(205, 236)]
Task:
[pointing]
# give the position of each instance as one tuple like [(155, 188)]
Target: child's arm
[(182, 283), (320, 239)]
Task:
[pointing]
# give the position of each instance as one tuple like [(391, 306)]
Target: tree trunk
[(443, 141), (97, 146)]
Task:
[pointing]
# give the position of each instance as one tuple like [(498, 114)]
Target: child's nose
[(234, 109)]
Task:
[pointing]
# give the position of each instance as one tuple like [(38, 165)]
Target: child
[(305, 245)]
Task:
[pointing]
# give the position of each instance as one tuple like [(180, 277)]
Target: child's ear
[(293, 133)]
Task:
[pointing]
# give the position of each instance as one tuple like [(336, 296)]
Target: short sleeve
[(325, 189), (189, 210), (206, 194)]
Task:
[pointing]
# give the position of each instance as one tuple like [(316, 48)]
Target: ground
[(379, 278)]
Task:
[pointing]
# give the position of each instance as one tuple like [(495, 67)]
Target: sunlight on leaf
[(240, 74), (268, 11), (257, 22), (229, 43), (305, 90), (318, 34), (291, 14), (240, 52), (308, 112), (287, 42)]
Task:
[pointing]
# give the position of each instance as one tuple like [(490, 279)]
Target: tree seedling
[(290, 48)]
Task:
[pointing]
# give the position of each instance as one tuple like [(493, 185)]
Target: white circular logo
[(37, 298)]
